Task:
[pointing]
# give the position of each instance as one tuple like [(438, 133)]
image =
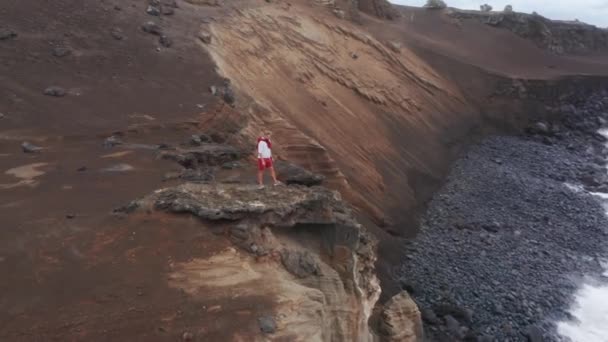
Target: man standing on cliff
[(265, 159)]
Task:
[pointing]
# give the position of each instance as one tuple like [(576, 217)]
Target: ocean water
[(590, 306), (590, 315)]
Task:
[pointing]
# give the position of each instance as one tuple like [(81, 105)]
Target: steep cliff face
[(558, 37), (315, 260), (340, 102)]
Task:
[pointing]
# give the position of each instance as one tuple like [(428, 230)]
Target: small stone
[(187, 336), (6, 34), (534, 334), (493, 227), (204, 36), (213, 90), (119, 168), (152, 28), (111, 142), (228, 95), (70, 216), (152, 10), (55, 91), (117, 34), (429, 316), (117, 8), (82, 169), (196, 140), (395, 46), (30, 148), (339, 13), (267, 324), (2, 116), (165, 41), (61, 51)]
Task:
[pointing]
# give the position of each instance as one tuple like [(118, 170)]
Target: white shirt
[(264, 150)]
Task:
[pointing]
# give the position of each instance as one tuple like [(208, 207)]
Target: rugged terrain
[(105, 102), (513, 218)]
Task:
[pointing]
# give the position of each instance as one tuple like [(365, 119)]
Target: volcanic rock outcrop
[(304, 243)]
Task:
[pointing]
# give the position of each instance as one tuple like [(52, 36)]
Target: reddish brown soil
[(102, 277)]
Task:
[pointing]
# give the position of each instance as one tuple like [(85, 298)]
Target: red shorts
[(264, 163)]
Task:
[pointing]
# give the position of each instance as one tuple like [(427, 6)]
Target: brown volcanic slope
[(382, 124)]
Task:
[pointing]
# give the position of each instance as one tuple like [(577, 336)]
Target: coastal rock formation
[(400, 320), (559, 37), (304, 242)]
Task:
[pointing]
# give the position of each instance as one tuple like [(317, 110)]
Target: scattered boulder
[(267, 324), (400, 320), (205, 138), (6, 34), (300, 263), (112, 141), (30, 148), (204, 36), (55, 91), (152, 28), (165, 41), (541, 128), (395, 46), (61, 51), (228, 95), (429, 316), (153, 10), (493, 226), (196, 140), (339, 13), (293, 174)]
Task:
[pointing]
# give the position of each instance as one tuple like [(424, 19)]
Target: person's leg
[(260, 172), (274, 175)]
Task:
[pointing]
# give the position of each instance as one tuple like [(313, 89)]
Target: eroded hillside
[(109, 101), (341, 102)]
